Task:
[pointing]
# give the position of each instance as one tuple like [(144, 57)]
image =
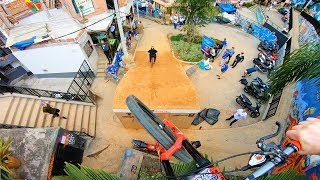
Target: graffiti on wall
[(306, 103), (307, 33)]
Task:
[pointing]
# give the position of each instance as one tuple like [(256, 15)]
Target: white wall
[(53, 59)]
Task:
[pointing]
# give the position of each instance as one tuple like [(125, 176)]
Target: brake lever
[(260, 143)]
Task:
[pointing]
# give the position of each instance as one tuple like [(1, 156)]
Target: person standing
[(239, 58), (224, 69), (47, 109), (224, 42), (175, 21), (113, 30), (225, 55), (181, 20), (240, 114), (231, 53), (106, 50)]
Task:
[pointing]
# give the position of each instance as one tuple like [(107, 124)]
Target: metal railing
[(81, 84), (45, 93), (273, 106)]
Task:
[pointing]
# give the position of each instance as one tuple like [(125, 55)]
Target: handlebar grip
[(297, 143)]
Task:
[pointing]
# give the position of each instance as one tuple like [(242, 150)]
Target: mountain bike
[(170, 141), (153, 59)]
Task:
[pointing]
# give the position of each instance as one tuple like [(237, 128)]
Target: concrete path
[(216, 143)]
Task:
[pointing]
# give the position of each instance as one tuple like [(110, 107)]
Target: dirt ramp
[(164, 87)]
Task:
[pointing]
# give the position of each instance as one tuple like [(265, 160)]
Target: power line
[(84, 27)]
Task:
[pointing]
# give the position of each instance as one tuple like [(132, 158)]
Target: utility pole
[(137, 12), (123, 39)]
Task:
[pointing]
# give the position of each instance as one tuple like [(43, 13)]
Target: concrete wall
[(181, 120), (53, 59), (93, 59)]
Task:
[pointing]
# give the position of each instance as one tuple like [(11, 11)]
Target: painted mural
[(305, 103), (307, 33)]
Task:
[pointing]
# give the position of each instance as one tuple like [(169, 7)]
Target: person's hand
[(308, 134)]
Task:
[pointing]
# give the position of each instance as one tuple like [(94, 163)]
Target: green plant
[(6, 173), (248, 4), (187, 51), (303, 63), (85, 173), (198, 13), (177, 37)]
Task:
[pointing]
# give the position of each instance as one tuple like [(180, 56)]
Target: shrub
[(176, 37), (248, 4), (190, 52)]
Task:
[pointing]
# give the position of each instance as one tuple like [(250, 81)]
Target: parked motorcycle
[(244, 102), (263, 65), (268, 46), (256, 88)]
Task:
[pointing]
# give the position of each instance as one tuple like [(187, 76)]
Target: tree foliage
[(197, 12), (303, 63)]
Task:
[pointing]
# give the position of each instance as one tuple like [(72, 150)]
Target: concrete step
[(65, 112), (92, 123), (27, 112), (12, 110), (36, 111), (101, 71), (6, 103), (86, 119), (79, 118), (19, 111), (72, 117)]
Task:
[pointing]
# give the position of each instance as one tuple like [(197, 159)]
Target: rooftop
[(33, 147), (57, 21)]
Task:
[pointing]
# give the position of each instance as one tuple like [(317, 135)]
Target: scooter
[(263, 66), (243, 101), (256, 88)]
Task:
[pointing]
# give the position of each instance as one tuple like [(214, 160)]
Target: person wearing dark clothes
[(105, 47), (231, 53), (217, 48), (50, 110), (239, 58), (152, 54)]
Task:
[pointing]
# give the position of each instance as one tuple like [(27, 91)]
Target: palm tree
[(303, 63), (85, 173)]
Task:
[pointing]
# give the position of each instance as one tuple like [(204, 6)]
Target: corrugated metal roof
[(58, 24)]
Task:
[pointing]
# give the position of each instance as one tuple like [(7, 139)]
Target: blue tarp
[(226, 7), (23, 44)]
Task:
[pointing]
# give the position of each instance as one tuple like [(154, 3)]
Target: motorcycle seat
[(246, 99)]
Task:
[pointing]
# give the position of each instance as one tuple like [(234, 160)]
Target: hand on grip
[(306, 136)]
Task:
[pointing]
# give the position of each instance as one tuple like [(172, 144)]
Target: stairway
[(23, 110), (102, 64)]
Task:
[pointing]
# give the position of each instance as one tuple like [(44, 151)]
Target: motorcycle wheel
[(155, 127), (238, 100), (255, 115)]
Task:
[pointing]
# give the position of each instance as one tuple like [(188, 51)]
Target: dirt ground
[(217, 143)]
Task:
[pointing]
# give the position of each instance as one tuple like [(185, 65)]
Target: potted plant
[(7, 161)]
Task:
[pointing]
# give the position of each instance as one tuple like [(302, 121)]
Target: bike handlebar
[(271, 164)]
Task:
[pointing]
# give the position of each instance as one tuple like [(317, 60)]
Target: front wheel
[(238, 100), (255, 114), (155, 127)]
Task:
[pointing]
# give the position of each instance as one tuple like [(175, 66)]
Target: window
[(88, 49)]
